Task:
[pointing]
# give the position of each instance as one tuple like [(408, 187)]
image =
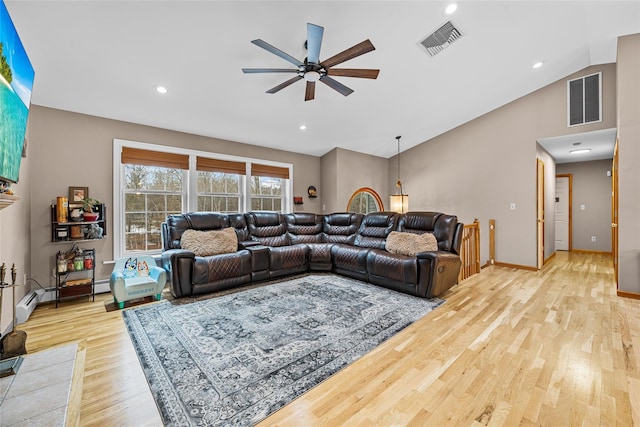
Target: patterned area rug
[(235, 359)]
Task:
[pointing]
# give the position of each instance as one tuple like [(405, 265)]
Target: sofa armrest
[(438, 271), (246, 244), (178, 263)]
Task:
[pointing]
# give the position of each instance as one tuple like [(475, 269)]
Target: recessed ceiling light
[(537, 65), (302, 127), (580, 151), (161, 89), (450, 9)]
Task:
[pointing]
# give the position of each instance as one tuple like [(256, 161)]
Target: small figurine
[(13, 274), (130, 268), (143, 269)]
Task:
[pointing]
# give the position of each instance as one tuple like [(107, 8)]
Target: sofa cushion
[(341, 227), (304, 227), (375, 228), (410, 243), (268, 228), (212, 242)]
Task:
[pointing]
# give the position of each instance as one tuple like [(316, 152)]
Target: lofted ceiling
[(104, 58)]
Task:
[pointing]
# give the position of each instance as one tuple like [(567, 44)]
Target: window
[(266, 193), (267, 187), (365, 200), (150, 194), (219, 185), (219, 192), (152, 182), (584, 103)]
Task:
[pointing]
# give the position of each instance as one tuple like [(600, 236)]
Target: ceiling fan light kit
[(312, 69)]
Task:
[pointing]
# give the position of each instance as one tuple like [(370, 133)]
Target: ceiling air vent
[(441, 38)]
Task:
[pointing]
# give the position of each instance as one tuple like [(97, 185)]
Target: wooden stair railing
[(470, 251)]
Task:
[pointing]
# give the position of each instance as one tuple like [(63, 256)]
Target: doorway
[(563, 210), (540, 211)]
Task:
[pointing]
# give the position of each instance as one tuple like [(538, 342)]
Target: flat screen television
[(16, 82)]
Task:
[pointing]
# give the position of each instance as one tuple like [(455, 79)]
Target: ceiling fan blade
[(266, 46), (269, 70), (336, 85), (310, 92), (314, 42), (354, 51), (283, 85), (353, 72)]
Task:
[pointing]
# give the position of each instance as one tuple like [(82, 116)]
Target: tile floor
[(38, 394)]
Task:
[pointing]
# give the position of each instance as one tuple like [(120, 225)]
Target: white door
[(562, 213)]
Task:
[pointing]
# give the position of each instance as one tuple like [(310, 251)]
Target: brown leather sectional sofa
[(272, 244)]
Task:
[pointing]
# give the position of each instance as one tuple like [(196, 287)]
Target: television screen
[(16, 82)]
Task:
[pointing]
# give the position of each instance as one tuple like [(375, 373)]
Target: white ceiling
[(600, 142), (104, 58)]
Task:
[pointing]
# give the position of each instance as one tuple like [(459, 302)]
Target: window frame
[(370, 191), (190, 190)]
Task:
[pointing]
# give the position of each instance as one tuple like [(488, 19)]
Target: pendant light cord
[(399, 183)]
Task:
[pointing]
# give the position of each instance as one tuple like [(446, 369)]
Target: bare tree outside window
[(219, 192), (151, 193)]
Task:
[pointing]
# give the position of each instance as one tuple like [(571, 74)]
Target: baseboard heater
[(29, 302), (26, 306)]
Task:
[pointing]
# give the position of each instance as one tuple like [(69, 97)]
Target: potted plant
[(89, 205)]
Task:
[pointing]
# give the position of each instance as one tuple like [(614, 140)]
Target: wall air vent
[(441, 38), (584, 100)]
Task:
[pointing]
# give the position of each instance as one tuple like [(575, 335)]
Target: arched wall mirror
[(365, 200)]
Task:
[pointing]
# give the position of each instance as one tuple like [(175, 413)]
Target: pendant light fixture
[(399, 202)]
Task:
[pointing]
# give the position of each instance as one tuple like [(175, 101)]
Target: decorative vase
[(91, 216)]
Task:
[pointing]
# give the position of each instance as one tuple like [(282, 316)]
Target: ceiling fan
[(312, 70)]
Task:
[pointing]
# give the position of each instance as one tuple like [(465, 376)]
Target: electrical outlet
[(512, 206), (593, 239), (25, 278)]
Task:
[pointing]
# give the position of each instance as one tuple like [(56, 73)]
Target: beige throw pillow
[(410, 244), (212, 242)]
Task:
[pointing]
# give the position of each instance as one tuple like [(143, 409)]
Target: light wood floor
[(509, 347)]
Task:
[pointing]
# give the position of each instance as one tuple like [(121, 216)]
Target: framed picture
[(76, 194)]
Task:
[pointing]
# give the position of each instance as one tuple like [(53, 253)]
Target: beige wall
[(329, 168), (15, 233), (479, 168), (629, 150), (345, 171), (591, 188), (70, 149)]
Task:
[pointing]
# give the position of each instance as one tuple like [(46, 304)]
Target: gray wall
[(70, 149), (591, 188), (629, 150), (479, 168)]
